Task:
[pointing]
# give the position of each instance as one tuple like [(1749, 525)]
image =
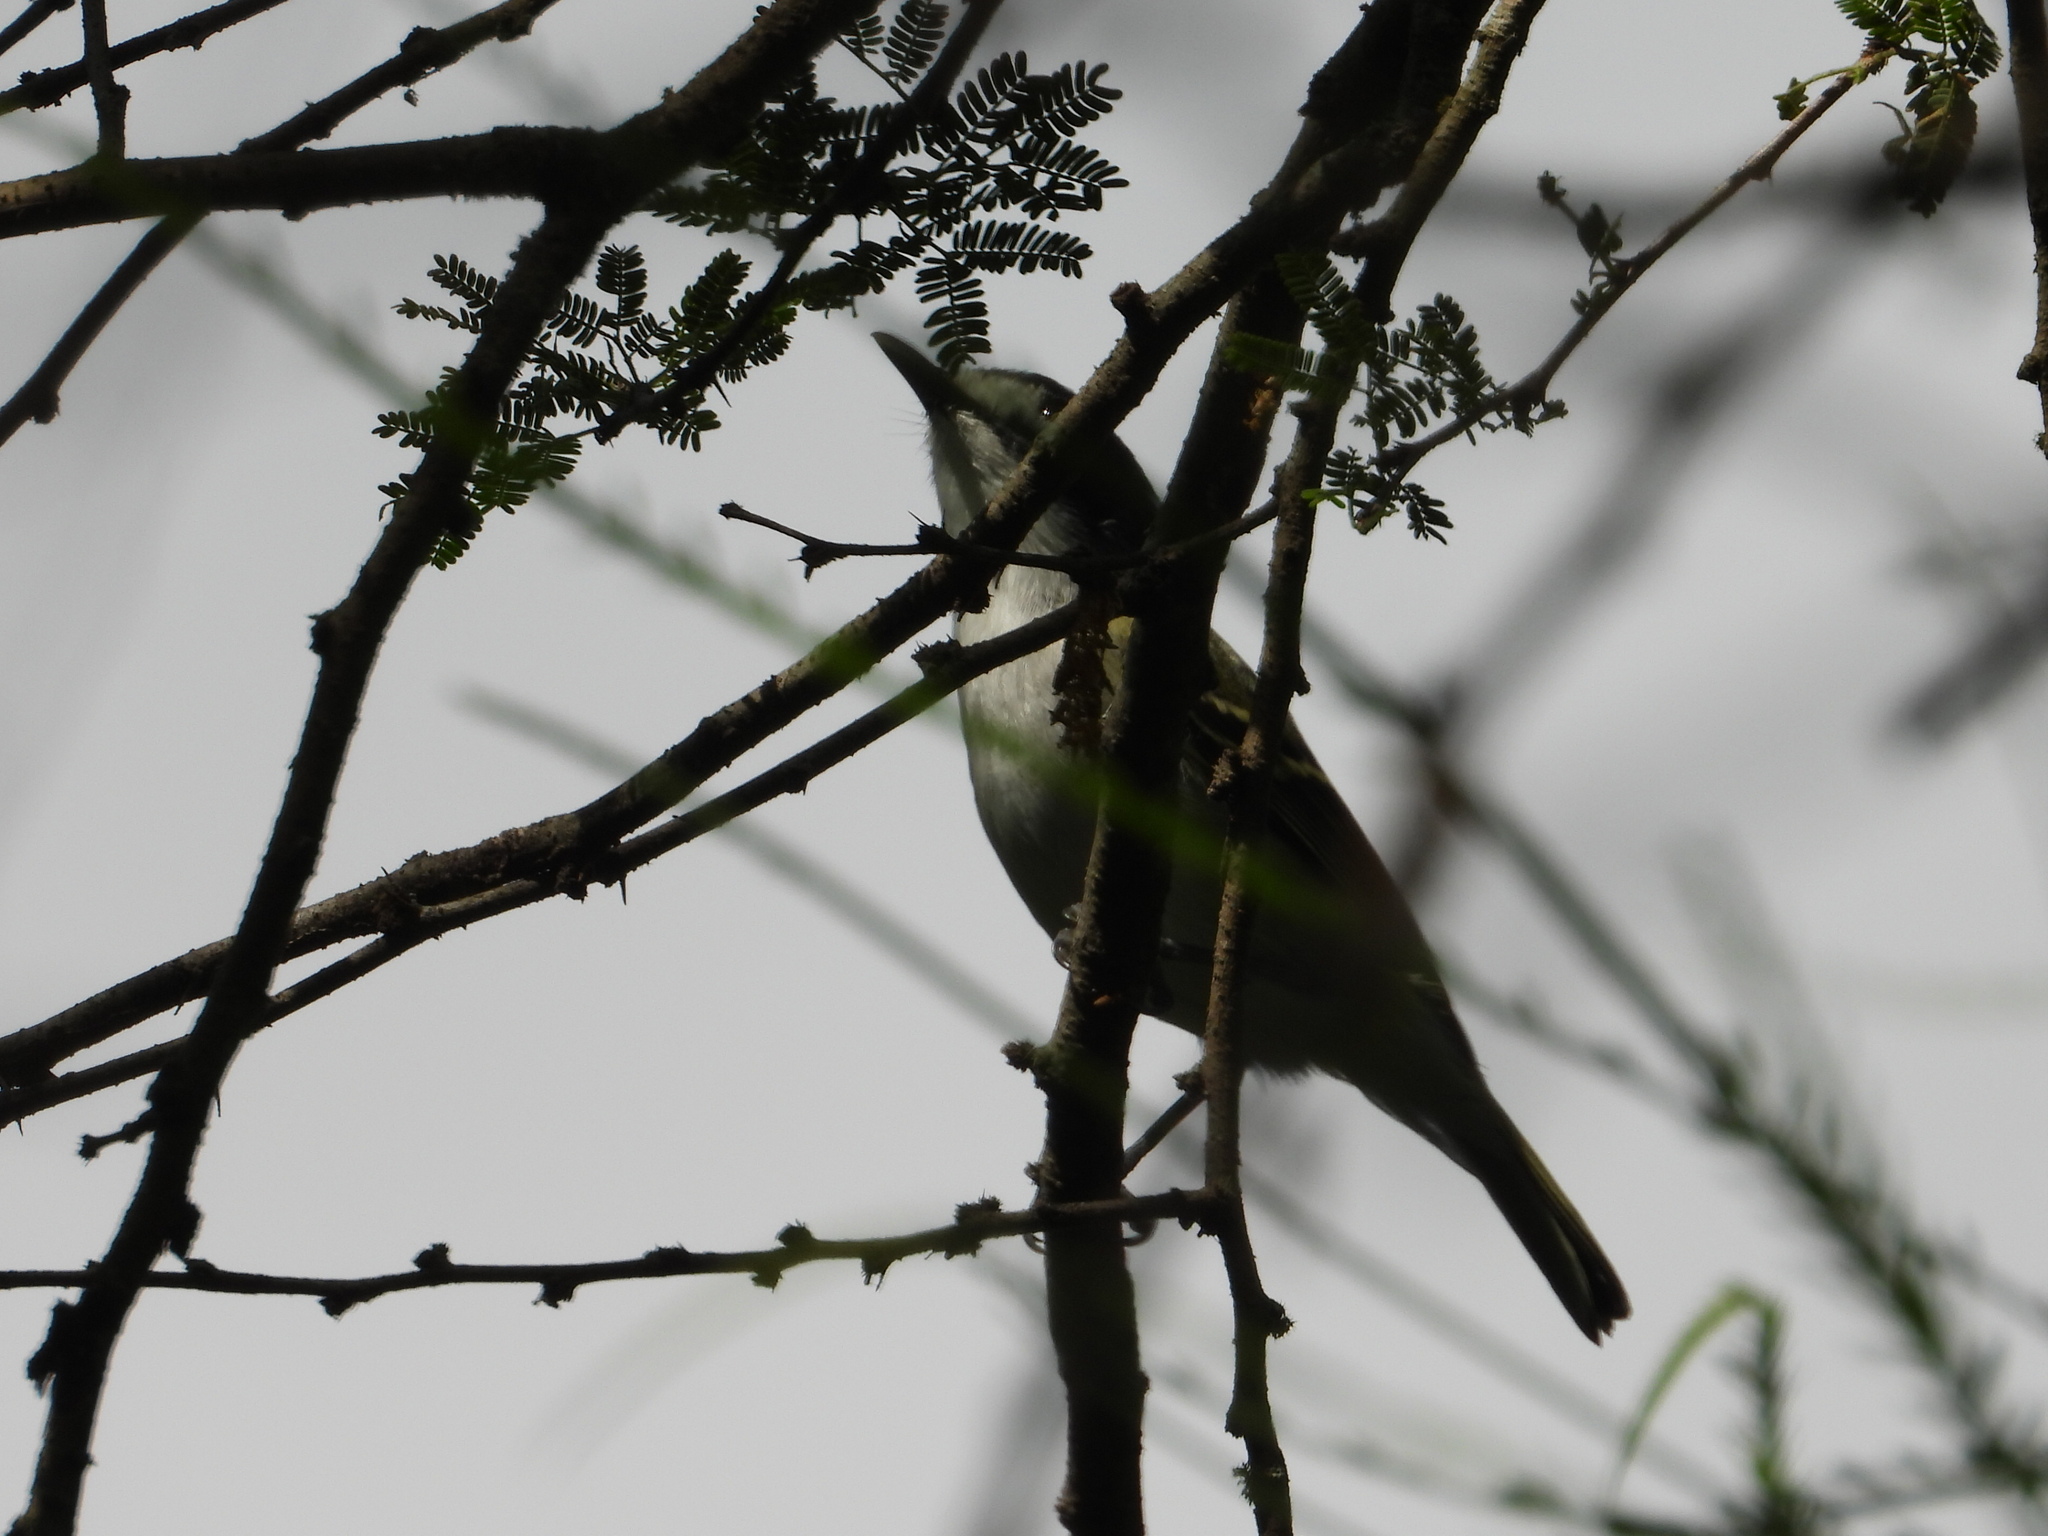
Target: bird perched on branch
[(1339, 978)]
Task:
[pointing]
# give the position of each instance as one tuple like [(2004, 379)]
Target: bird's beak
[(933, 386)]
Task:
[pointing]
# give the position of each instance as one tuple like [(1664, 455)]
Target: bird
[(1339, 977)]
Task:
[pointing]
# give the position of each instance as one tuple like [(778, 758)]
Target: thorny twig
[(973, 1224), (817, 553), (1527, 397), (1247, 786)]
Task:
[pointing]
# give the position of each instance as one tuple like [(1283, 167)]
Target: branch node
[(932, 658), (323, 632), (970, 1214), (1132, 302), (1223, 780), (433, 1261), (57, 1345), (183, 1228), (90, 1147)]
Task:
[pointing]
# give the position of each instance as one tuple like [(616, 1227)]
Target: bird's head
[(983, 420)]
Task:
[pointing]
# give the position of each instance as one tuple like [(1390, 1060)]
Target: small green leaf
[(1732, 1302), (1888, 20), (1931, 151)]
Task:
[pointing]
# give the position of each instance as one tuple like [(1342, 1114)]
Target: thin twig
[(109, 96), (39, 396), (974, 1223), (1168, 1121), (816, 553), (1246, 787), (1527, 397), (34, 15), (423, 51), (17, 1104), (951, 978), (46, 87)]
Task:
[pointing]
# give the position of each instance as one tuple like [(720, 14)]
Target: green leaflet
[(1408, 378), (1948, 47)]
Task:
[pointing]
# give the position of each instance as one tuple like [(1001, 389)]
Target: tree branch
[(1246, 785), (1386, 241), (554, 166), (73, 1360), (541, 164), (1246, 788)]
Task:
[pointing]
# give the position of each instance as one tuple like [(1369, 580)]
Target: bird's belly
[(1038, 817)]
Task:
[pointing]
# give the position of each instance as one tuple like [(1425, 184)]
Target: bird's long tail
[(1554, 1233)]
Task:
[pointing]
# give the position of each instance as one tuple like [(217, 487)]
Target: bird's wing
[(1307, 819)]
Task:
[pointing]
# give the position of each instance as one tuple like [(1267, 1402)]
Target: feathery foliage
[(1409, 377), (979, 189), (1948, 47), (593, 355), (1004, 144)]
